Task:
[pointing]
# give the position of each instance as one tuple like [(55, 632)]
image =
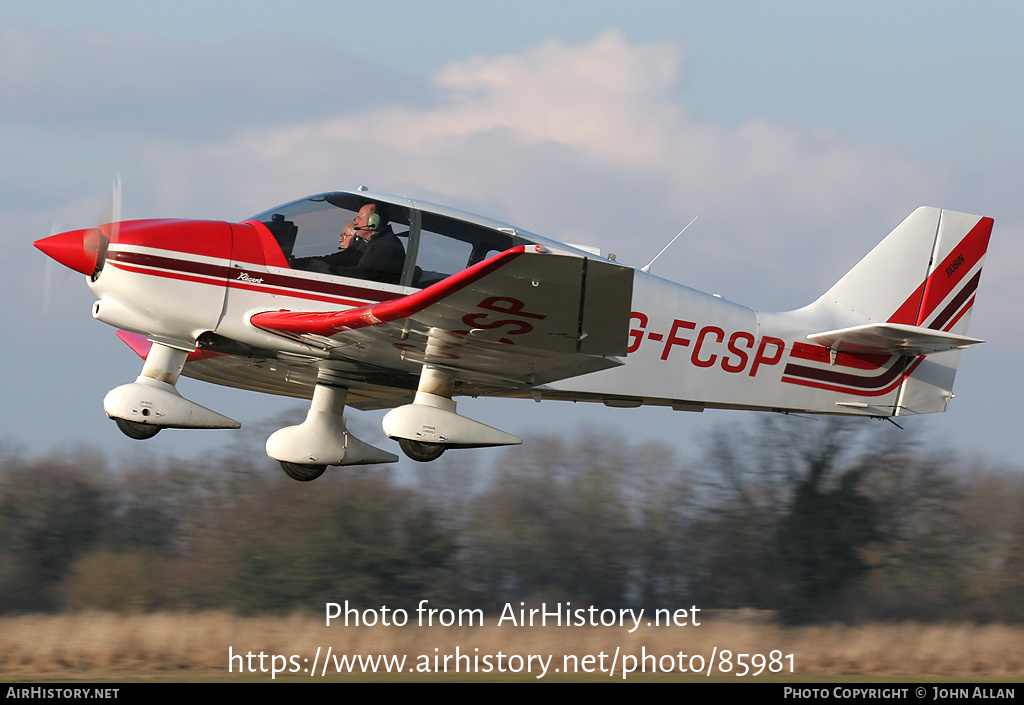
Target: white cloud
[(538, 133)]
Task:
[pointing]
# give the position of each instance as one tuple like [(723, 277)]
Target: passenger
[(350, 248)]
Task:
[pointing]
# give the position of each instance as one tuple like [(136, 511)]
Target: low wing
[(891, 339), (522, 318)]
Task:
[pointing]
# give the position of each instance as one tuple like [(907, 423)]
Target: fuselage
[(196, 286)]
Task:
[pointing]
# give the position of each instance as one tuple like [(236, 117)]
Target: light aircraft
[(468, 306)]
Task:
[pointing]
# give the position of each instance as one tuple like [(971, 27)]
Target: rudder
[(922, 277)]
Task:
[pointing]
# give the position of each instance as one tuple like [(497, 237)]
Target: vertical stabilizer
[(923, 275)]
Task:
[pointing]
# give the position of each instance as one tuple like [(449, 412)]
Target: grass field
[(93, 646)]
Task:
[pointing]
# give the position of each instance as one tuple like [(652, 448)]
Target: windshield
[(313, 225)]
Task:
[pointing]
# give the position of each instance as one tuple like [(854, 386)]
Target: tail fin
[(912, 296)]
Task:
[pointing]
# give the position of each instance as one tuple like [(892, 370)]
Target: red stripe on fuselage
[(169, 275), (223, 275), (851, 384), (170, 264), (325, 298)]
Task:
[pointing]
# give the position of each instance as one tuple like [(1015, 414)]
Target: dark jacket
[(382, 259)]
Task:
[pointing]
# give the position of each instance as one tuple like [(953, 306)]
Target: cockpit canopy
[(437, 244)]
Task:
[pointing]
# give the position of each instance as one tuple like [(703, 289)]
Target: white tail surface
[(912, 296)]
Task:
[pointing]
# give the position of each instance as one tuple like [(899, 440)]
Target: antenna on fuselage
[(648, 267)]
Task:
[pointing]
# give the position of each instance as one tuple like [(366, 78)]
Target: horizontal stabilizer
[(891, 339)]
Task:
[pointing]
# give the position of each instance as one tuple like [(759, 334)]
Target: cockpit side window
[(433, 246), (449, 245)]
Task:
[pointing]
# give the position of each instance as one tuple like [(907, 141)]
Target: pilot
[(382, 256)]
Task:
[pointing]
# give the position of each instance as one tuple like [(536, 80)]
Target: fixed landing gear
[(421, 452), (137, 431), (302, 473), (430, 425), (323, 439), (152, 402)]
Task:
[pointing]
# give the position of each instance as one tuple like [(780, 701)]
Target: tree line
[(816, 520)]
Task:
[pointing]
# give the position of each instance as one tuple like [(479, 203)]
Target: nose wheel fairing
[(152, 400)]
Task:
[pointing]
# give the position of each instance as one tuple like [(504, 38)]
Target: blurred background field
[(859, 549)]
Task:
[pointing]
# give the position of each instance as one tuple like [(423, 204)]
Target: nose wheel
[(421, 452), (152, 402), (135, 430)]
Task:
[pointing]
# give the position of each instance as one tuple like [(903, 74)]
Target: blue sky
[(799, 132)]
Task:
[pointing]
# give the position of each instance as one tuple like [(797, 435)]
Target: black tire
[(302, 473), (422, 452), (135, 430)]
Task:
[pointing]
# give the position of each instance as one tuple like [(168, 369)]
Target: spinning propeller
[(85, 250)]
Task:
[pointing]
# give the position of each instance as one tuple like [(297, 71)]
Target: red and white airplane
[(459, 305)]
